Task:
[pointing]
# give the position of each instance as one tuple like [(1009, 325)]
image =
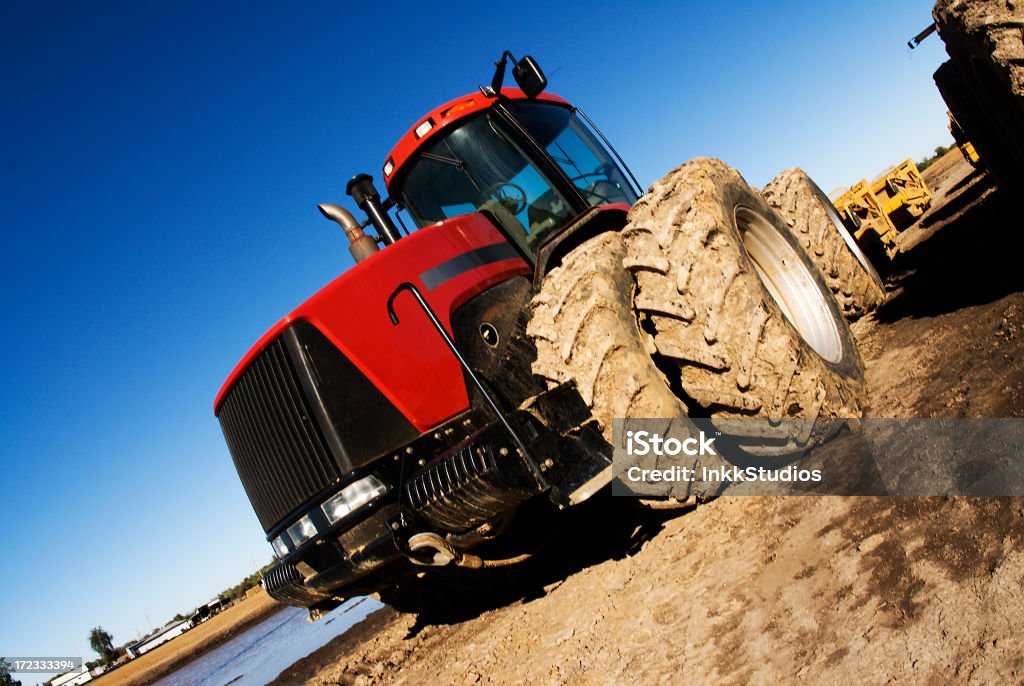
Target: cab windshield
[(477, 167), (572, 146)]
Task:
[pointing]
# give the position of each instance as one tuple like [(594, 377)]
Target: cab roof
[(441, 118)]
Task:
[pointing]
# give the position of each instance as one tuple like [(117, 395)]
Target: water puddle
[(257, 656)]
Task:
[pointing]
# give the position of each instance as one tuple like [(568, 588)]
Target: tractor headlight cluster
[(301, 531), (352, 497), (280, 547)]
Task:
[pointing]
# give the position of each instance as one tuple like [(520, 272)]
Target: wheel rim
[(790, 283), (851, 242)]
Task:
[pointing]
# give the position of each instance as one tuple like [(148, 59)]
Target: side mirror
[(529, 77), (527, 73)]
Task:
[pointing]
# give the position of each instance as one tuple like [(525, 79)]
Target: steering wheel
[(511, 196)]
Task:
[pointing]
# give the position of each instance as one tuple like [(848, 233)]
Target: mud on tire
[(688, 328), (821, 234), (585, 331), (983, 84), (741, 320)]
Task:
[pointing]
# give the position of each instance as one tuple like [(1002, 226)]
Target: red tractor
[(400, 417)]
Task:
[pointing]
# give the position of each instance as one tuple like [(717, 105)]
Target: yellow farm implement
[(966, 147), (877, 211)]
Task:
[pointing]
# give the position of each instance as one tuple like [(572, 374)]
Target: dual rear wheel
[(704, 305), (817, 227)]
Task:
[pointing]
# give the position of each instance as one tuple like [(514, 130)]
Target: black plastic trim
[(357, 420), (596, 221), (449, 269)]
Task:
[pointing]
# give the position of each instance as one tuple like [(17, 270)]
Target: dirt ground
[(765, 590)]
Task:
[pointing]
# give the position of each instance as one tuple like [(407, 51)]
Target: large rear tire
[(738, 313), (976, 124), (696, 332), (824, 238), (585, 331), (985, 91)]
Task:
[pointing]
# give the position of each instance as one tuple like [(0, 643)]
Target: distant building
[(73, 678), (172, 630), (204, 612)]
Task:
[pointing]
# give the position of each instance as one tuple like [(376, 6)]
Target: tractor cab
[(530, 161)]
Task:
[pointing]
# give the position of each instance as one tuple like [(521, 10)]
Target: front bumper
[(465, 489)]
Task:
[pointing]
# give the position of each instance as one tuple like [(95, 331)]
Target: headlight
[(302, 530), (353, 497), (280, 547)]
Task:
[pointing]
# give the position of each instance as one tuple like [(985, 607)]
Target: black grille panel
[(277, 448), (283, 582)]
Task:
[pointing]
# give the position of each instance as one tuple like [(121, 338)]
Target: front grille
[(278, 450), (283, 582)]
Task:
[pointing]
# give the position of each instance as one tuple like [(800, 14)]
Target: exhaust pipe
[(360, 245), (361, 188), (428, 549)]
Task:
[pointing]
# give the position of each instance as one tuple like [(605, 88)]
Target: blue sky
[(160, 170)]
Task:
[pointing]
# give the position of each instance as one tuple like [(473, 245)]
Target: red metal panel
[(409, 363)]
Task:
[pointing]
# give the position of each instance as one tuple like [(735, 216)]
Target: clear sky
[(160, 167)]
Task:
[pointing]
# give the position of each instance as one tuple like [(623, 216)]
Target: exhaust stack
[(361, 246), (361, 188)]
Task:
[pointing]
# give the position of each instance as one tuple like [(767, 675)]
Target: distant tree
[(5, 675), (238, 591), (940, 150), (103, 643)]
